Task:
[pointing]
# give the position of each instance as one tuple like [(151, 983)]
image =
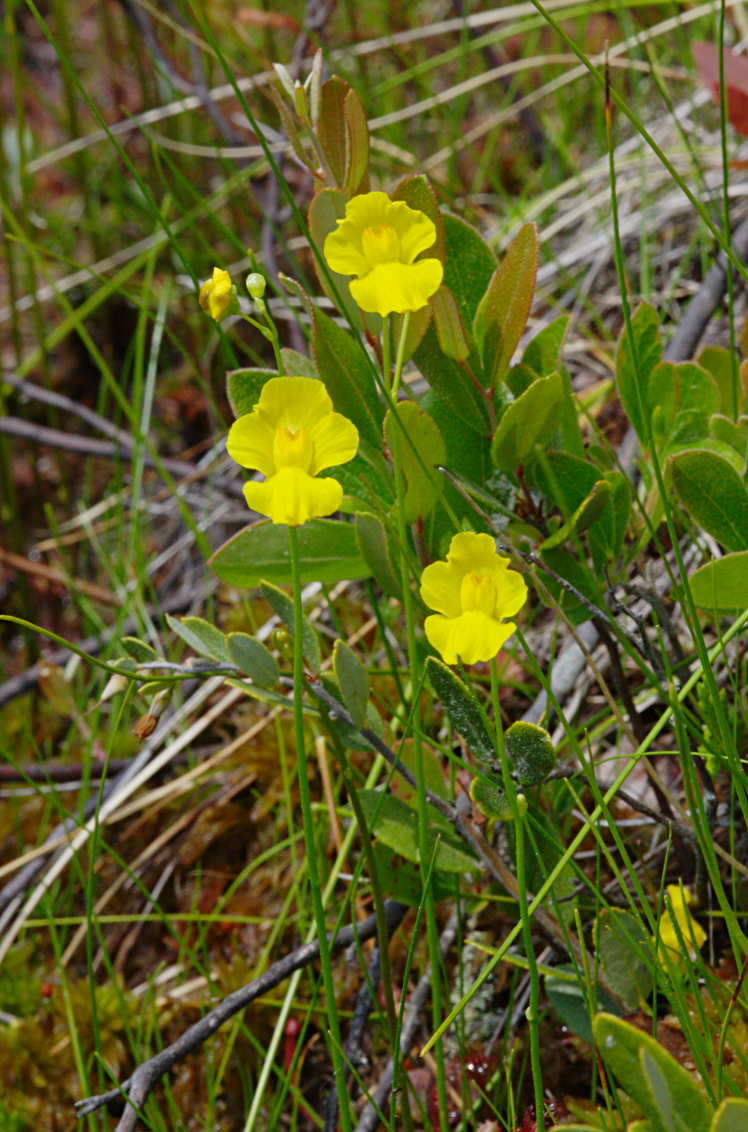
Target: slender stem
[(386, 350), (309, 834), (432, 929), (531, 1013), (400, 355), (272, 334)]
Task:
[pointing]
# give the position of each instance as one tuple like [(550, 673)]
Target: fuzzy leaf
[(530, 752), (591, 508), (356, 144), (450, 332), (299, 365), (464, 711), (490, 798), (331, 126), (570, 1001), (468, 266), (680, 399)]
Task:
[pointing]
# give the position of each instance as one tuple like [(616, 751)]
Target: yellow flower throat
[(478, 592), (380, 244), (293, 448)]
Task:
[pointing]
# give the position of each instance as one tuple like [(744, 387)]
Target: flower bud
[(255, 284), (218, 295)]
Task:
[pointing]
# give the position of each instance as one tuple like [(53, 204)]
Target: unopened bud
[(218, 295), (256, 284)]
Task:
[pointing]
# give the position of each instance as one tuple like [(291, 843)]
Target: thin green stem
[(309, 835), (519, 806), (400, 356), (432, 929), (386, 350)]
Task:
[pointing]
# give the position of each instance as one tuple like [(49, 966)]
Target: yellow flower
[(378, 240), (675, 920), (290, 436), (218, 294), (473, 591)]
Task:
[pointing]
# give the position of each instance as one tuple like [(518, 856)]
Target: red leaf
[(706, 58)]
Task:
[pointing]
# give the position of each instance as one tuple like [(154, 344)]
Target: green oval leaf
[(731, 1116), (417, 446), (375, 551), (253, 658), (542, 353), (451, 382), (530, 420), (396, 824), (722, 586), (348, 376), (282, 606), (201, 636), (713, 494), (635, 361), (328, 550), (468, 266), (503, 311), (660, 1086), (353, 681), (626, 956), (244, 386)]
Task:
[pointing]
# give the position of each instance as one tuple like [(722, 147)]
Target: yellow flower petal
[(440, 588), (250, 443), (511, 590), (416, 231), (293, 497), (475, 554), (342, 250), (472, 637), (397, 287), (293, 402), (678, 919), (335, 440)]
